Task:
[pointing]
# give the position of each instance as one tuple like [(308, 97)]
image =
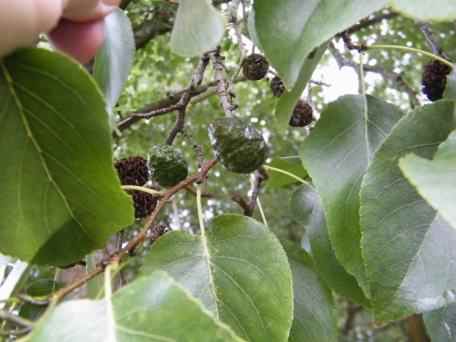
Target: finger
[(21, 21), (84, 10), (79, 40)]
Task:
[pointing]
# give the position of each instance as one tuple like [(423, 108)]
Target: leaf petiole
[(142, 189), (289, 174), (410, 49)]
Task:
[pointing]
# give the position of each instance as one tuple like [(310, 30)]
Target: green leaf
[(60, 195), (435, 180), (290, 164), (307, 208), (336, 156), (450, 90), (314, 314), (115, 59), (441, 324), (153, 308), (289, 30), (198, 28), (426, 10), (288, 101), (408, 249), (238, 270)]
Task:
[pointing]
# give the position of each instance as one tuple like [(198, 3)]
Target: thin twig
[(33, 301), (15, 332), (259, 177), (371, 21), (140, 237), (197, 79), (223, 85), (352, 311), (19, 321), (393, 77), (432, 40)]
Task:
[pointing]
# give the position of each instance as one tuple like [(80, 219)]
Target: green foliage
[(307, 209), (450, 91), (289, 164), (440, 324), (344, 141), (298, 27), (314, 314), (440, 10), (161, 311), (414, 272), (362, 200), (287, 102), (434, 179)]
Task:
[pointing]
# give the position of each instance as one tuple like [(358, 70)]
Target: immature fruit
[(302, 115), (133, 171), (144, 203), (277, 86), (255, 67), (238, 146), (435, 79), (168, 165)]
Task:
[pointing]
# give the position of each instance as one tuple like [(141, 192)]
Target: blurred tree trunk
[(416, 330)]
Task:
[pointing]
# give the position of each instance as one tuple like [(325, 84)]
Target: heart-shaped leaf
[(153, 308), (426, 10), (198, 28), (238, 270), (336, 155), (307, 208), (435, 180), (408, 248), (289, 30), (115, 59), (314, 313), (60, 195)]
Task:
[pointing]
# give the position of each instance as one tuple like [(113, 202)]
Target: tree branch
[(124, 3), (156, 26), (393, 77), (432, 40), (142, 235), (370, 21), (197, 79), (223, 85), (16, 320), (259, 177)]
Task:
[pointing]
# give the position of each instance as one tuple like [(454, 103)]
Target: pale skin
[(74, 26)]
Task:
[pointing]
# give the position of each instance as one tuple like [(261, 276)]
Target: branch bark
[(223, 85), (416, 330), (142, 235), (197, 79)]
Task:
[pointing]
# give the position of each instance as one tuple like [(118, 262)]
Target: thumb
[(79, 40), (21, 21), (86, 10)]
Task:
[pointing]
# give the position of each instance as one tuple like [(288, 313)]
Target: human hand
[(74, 26)]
